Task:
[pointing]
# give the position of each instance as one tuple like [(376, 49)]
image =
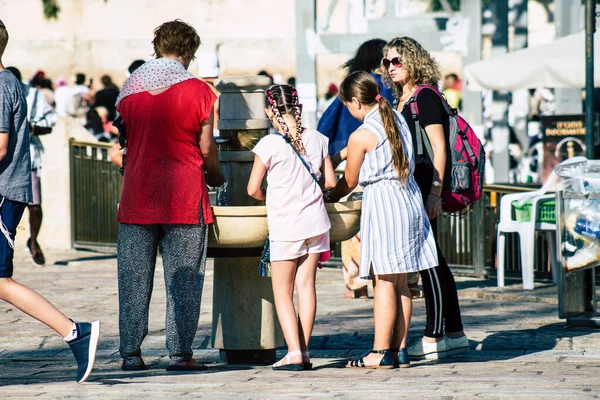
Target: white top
[(45, 117), (295, 207), (63, 98)]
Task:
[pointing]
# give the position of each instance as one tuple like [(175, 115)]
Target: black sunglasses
[(2, 24), (394, 61)]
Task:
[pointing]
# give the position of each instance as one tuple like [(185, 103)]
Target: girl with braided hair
[(396, 237), (296, 215)]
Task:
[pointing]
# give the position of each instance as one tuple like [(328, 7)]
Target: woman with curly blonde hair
[(407, 66)]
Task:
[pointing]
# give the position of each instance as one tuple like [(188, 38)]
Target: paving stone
[(519, 347)]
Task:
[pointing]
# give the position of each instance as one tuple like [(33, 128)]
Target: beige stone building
[(99, 37), (104, 36)]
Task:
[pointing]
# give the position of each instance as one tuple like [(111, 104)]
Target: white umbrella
[(560, 64)]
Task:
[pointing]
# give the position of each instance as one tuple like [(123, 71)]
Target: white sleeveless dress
[(396, 236)]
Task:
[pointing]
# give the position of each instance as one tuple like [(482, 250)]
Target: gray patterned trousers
[(184, 261)]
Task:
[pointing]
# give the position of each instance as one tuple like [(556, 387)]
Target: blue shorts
[(11, 213)]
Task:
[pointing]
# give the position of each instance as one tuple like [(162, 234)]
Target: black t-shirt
[(431, 112), (107, 97)]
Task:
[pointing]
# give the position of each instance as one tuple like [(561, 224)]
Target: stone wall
[(98, 36)]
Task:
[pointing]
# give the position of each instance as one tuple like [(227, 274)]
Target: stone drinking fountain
[(244, 323)]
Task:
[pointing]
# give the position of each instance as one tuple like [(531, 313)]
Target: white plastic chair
[(526, 231)]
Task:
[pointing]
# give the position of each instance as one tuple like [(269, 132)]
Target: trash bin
[(578, 243)]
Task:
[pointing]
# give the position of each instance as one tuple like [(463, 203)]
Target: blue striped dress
[(396, 236)]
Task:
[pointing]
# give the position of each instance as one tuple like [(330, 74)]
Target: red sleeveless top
[(164, 177)]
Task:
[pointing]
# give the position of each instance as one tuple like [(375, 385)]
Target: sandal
[(361, 293), (285, 365), (36, 252), (306, 364), (137, 365), (388, 361), (402, 359), (189, 366)]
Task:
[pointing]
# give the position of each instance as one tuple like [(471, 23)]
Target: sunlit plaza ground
[(518, 346)]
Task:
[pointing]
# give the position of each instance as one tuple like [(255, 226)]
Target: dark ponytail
[(364, 88)]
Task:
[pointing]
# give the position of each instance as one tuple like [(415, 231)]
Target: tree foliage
[(51, 9)]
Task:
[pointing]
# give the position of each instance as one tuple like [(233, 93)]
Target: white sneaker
[(457, 346), (429, 351)]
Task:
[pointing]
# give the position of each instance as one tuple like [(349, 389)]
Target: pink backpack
[(463, 183)]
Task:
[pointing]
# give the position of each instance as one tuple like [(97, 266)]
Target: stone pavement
[(519, 347)]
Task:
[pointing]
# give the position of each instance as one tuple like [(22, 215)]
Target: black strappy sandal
[(388, 361), (306, 364), (285, 364)]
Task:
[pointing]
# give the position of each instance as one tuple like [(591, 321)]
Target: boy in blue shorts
[(15, 194)]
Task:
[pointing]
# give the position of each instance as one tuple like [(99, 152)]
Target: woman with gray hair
[(168, 122)]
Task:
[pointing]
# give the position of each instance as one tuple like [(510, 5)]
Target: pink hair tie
[(378, 97)]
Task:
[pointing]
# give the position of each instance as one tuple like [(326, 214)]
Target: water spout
[(221, 192)]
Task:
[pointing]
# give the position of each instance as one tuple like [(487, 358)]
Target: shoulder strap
[(445, 104), (287, 139), (452, 113), (420, 133), (34, 107)]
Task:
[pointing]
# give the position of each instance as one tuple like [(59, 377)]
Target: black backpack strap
[(421, 135), (468, 148), (452, 113), (287, 139), (34, 106), (449, 110)]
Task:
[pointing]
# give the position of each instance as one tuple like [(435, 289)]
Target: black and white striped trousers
[(441, 297)]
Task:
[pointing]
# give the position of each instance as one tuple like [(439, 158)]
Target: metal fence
[(468, 241), (95, 192)]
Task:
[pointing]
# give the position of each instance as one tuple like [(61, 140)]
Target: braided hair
[(283, 99)]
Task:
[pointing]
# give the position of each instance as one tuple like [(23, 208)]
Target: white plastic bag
[(580, 175)]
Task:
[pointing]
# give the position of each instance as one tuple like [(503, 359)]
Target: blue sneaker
[(84, 348)]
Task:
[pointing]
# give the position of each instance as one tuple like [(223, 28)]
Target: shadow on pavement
[(90, 258), (57, 370), (36, 367), (532, 340), (341, 363)]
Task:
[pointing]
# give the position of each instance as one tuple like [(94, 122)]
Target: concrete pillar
[(245, 325), (519, 108), (568, 20), (306, 67), (499, 114), (242, 122), (471, 101), (357, 23)]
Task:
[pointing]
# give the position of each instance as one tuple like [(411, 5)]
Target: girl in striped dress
[(396, 235)]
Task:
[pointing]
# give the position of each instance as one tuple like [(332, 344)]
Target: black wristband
[(336, 159)]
